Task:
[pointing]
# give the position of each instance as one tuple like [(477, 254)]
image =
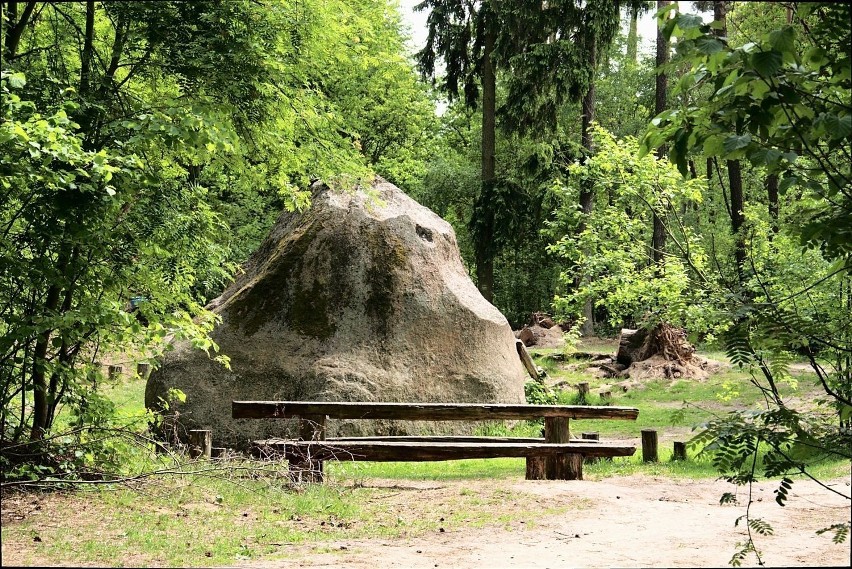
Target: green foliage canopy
[(145, 150)]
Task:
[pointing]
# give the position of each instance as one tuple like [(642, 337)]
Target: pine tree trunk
[(772, 196), (735, 187), (586, 192), (633, 35), (658, 239), (484, 257), (735, 177)]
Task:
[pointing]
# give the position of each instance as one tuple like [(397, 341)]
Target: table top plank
[(424, 411)]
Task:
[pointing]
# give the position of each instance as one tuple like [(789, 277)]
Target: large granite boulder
[(364, 297)]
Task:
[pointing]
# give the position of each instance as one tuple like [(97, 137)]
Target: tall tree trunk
[(65, 355), (13, 28), (88, 109), (772, 196), (484, 251), (735, 177), (633, 35), (658, 242), (711, 212), (86, 56), (41, 403), (720, 14), (587, 196), (735, 186)]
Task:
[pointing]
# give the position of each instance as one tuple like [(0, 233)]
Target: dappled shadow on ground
[(634, 521)]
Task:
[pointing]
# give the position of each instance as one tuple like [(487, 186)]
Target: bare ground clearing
[(634, 521)]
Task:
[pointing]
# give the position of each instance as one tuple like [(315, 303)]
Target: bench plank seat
[(556, 457), (417, 451), (279, 442), (424, 411)]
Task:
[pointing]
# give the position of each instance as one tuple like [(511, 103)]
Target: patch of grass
[(697, 466), (203, 521), (189, 521), (492, 468), (549, 365)]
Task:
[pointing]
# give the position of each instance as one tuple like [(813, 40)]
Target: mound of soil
[(660, 353), (658, 367)]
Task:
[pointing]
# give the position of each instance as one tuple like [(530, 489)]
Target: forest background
[(146, 149)]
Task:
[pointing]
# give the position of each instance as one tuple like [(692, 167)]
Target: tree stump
[(541, 319), (591, 437), (606, 397), (115, 372), (200, 443), (649, 445), (218, 452), (679, 451), (527, 337), (583, 392), (631, 346), (143, 370)]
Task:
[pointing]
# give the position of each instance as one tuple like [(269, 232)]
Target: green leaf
[(783, 40), (841, 127), (16, 80), (758, 88), (734, 142), (728, 498), (687, 21), (708, 45), (816, 56), (713, 146), (764, 156), (767, 63)]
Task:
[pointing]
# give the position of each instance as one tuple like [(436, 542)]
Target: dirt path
[(634, 521)]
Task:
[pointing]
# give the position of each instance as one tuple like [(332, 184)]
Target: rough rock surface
[(363, 297)]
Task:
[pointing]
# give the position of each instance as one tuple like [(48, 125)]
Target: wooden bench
[(555, 457)]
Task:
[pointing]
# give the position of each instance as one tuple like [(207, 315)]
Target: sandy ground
[(634, 521)]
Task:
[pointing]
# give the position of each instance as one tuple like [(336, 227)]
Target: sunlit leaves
[(611, 251)]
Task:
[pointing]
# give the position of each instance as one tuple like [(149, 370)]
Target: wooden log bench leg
[(304, 469), (536, 468), (567, 466)]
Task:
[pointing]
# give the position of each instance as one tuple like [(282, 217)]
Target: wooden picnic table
[(557, 456)]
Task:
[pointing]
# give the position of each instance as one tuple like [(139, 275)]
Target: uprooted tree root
[(660, 353), (668, 342)]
